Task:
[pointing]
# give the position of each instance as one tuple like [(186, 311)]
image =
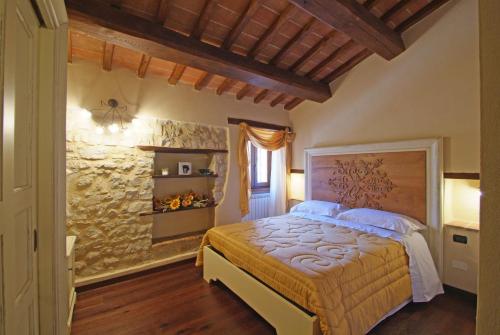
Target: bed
[(307, 273)]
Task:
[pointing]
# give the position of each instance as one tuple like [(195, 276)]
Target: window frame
[(259, 187)]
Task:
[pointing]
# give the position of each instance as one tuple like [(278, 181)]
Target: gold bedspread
[(348, 278)]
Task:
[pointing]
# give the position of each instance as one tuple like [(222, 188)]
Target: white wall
[(431, 89), (153, 97)]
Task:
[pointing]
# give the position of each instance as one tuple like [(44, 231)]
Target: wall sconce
[(297, 186), (113, 117)]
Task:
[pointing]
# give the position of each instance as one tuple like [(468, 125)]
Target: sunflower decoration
[(175, 204), (182, 201)]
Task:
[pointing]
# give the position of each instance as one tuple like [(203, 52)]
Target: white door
[(18, 198)]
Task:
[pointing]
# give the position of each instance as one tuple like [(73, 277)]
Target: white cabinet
[(461, 255), (70, 258)]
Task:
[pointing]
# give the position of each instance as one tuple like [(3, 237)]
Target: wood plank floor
[(176, 300)]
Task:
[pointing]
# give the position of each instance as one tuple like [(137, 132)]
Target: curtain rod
[(257, 124)]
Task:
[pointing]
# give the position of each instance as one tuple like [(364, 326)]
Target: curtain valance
[(266, 139)]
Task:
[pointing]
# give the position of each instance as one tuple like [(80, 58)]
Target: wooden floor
[(176, 300)]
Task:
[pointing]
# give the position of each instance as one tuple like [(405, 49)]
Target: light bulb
[(113, 128), (86, 114), (99, 130)]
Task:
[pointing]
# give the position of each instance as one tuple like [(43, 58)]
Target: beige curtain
[(266, 139)]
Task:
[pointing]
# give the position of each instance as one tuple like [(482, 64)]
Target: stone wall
[(109, 184)]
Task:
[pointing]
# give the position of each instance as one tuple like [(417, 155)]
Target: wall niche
[(111, 183)]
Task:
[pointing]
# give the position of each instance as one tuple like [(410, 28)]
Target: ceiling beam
[(351, 63), (298, 38), (202, 81), (204, 18), (241, 23), (243, 91), (226, 85), (107, 56), (176, 74), (293, 103), (362, 55), (143, 66), (278, 99), (353, 19), (394, 9), (319, 67), (261, 96), (264, 40), (94, 18), (311, 52), (420, 14)]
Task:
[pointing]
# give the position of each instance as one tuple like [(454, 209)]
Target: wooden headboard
[(403, 177), (391, 181)]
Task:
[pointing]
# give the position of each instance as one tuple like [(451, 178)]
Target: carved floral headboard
[(392, 181), (403, 177)]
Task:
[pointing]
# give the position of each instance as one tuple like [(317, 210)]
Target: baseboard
[(106, 278)]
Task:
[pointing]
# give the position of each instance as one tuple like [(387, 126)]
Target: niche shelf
[(179, 236), (181, 150), (183, 176), (178, 210), (183, 222)]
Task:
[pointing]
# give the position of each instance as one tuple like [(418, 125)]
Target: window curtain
[(266, 139), (277, 190)]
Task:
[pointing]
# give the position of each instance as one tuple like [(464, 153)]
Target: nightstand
[(461, 255)]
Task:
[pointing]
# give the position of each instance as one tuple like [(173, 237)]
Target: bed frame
[(283, 315)]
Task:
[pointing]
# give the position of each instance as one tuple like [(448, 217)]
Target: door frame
[(53, 272)]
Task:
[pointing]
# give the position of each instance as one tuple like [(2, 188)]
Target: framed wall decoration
[(185, 168)]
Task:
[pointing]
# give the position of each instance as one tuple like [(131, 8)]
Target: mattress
[(349, 278)]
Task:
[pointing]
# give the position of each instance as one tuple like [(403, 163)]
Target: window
[(260, 169)]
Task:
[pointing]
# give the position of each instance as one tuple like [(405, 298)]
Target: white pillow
[(318, 207), (382, 219)]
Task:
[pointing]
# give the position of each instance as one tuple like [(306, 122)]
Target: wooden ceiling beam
[(420, 14), (107, 56), (319, 67), (143, 66), (242, 21), (101, 21), (311, 52), (226, 85), (353, 19), (394, 9), (243, 91), (204, 18), (293, 103), (269, 33), (176, 74), (278, 99), (163, 8), (298, 38), (369, 3), (202, 81), (351, 63), (261, 96)]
